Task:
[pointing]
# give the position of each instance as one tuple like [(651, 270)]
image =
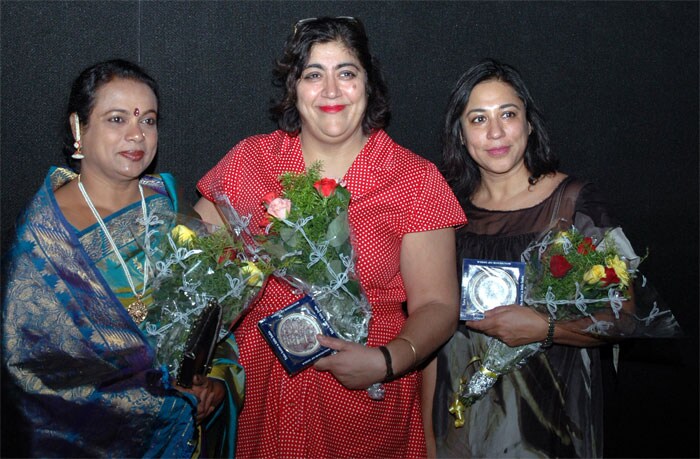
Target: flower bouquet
[(199, 269), (308, 235), (584, 279), (570, 276)]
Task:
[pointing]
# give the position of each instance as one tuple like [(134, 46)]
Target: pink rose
[(326, 186), (279, 208)]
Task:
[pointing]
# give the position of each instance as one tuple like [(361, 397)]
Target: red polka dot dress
[(311, 415)]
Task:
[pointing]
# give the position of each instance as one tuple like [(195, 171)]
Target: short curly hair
[(288, 69)]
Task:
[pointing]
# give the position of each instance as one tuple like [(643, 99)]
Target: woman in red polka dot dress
[(402, 212)]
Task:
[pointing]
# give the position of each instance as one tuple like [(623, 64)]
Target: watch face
[(490, 288), (297, 334)]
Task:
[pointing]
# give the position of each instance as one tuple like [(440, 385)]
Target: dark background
[(617, 81)]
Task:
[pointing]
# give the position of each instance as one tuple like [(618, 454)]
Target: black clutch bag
[(199, 348)]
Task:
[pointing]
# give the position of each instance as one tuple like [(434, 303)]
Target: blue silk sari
[(81, 371)]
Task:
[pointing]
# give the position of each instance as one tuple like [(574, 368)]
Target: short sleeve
[(225, 176), (435, 206)]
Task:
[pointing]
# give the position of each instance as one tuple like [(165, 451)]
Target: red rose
[(610, 277), (326, 186), (559, 265), (269, 197), (228, 254), (586, 246)]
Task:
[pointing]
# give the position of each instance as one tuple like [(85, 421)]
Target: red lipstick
[(332, 108)]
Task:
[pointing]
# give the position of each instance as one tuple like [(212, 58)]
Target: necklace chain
[(137, 309)]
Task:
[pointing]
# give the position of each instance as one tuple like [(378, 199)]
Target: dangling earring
[(78, 146)]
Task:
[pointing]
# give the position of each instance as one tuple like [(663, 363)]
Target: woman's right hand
[(355, 366), (513, 324), (517, 325), (209, 393)]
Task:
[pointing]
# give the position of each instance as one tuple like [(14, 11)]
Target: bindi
[(136, 111)]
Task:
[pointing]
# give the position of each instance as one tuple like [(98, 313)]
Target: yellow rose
[(182, 235), (620, 269), (255, 278), (562, 237), (594, 275)]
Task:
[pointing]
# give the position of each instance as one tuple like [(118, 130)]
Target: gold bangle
[(413, 348)]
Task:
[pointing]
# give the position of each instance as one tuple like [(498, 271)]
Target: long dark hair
[(83, 92), (458, 167), (351, 33)]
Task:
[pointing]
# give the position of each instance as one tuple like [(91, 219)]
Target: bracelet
[(549, 340), (387, 359), (413, 348)]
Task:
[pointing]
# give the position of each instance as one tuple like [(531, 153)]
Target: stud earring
[(78, 145)]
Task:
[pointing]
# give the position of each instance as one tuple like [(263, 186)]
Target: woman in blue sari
[(79, 369)]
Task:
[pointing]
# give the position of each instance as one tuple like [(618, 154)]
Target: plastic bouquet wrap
[(204, 279), (308, 235), (587, 277)]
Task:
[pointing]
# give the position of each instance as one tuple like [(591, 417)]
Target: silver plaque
[(297, 334), (491, 287)]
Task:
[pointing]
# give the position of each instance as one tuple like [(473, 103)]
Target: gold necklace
[(136, 309)]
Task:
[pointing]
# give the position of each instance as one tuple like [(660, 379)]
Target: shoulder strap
[(565, 200)]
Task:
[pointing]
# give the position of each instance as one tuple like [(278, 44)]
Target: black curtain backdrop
[(617, 81)]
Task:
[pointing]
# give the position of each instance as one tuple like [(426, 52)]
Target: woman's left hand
[(514, 324), (355, 366)]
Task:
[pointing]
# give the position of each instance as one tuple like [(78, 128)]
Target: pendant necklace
[(137, 309)]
